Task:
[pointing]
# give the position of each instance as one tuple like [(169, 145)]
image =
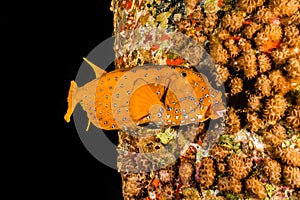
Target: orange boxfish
[(157, 95)]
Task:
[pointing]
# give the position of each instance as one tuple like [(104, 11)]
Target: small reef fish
[(157, 95)]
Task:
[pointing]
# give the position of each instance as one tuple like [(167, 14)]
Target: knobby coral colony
[(255, 45)]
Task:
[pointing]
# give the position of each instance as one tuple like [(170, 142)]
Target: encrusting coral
[(185, 172), (239, 166), (289, 156), (274, 109), (229, 184), (254, 185), (206, 172), (255, 47), (291, 176), (272, 169), (236, 85), (232, 121), (293, 117)]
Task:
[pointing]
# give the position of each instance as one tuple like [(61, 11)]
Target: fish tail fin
[(70, 99)]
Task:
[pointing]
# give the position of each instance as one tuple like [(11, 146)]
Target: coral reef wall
[(256, 49)]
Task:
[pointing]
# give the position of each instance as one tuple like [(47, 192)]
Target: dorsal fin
[(98, 71)]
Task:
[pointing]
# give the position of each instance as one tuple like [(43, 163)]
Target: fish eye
[(183, 74)]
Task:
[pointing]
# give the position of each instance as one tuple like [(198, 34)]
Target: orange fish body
[(158, 95)]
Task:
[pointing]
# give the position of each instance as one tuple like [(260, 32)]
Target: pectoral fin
[(141, 102)]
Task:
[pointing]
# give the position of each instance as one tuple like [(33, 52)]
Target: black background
[(49, 40), (84, 24), (42, 48)]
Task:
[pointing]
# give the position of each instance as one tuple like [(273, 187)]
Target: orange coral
[(239, 166), (229, 184), (284, 7), (289, 155), (206, 172), (221, 75), (233, 49), (166, 175), (254, 103), (233, 21), (223, 34), (264, 15), (293, 68), (256, 187), (221, 166), (264, 63), (293, 117), (274, 109), (185, 172), (249, 5), (291, 176), (280, 55), (219, 54), (245, 45), (279, 82), (248, 62), (250, 30), (219, 152), (263, 85), (232, 121), (236, 85), (166, 192), (254, 122), (272, 169)]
